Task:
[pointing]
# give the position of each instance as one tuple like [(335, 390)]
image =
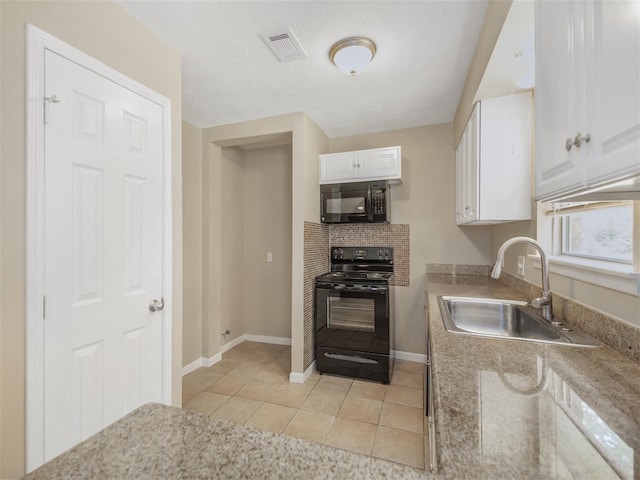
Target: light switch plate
[(269, 256)]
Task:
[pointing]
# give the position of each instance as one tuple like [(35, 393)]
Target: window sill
[(620, 277)]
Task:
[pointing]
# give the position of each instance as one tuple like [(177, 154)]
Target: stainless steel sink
[(489, 317)]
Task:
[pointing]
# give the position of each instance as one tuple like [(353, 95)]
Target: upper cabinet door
[(559, 93), (362, 165), (615, 101), (587, 95), (379, 163), (471, 167), (338, 167), (493, 162), (460, 178)]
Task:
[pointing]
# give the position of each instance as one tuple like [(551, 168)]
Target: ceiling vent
[(285, 46)]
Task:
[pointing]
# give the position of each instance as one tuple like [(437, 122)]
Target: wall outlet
[(269, 256), (521, 265)]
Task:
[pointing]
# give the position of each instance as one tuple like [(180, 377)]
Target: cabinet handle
[(568, 144), (577, 141)]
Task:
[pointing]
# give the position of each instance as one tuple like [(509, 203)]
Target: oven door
[(345, 206), (352, 318)]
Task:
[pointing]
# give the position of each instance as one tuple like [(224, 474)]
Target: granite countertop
[(160, 442), (513, 409)]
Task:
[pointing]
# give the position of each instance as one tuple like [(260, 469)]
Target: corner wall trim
[(410, 356), (302, 377)]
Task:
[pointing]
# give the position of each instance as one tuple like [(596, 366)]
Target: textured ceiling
[(229, 74)]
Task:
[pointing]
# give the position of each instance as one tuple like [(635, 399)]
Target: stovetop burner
[(371, 264), (356, 275)]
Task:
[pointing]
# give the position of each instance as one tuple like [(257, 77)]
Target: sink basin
[(513, 319)]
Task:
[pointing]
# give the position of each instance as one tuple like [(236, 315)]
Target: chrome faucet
[(544, 300)]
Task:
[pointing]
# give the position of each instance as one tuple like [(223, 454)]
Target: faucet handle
[(540, 301)]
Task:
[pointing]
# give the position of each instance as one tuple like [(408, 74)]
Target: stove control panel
[(375, 254)]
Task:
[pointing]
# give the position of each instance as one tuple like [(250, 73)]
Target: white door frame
[(37, 42)]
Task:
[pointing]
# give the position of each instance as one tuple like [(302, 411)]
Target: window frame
[(565, 230)]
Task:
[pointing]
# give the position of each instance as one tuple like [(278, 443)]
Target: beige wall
[(232, 203), (254, 198), (306, 140), (106, 32), (494, 19), (192, 242), (267, 228), (312, 141), (315, 143), (426, 201)]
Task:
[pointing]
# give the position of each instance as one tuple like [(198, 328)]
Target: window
[(598, 230), (592, 242)]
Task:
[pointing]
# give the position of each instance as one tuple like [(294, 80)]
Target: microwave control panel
[(378, 200)]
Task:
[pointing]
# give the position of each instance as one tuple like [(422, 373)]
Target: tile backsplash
[(316, 262), (377, 235)]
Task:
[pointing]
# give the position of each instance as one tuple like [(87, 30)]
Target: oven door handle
[(350, 358)]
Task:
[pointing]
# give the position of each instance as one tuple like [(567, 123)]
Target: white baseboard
[(187, 369), (201, 362), (302, 377), (410, 356), (208, 362), (228, 346), (264, 339)]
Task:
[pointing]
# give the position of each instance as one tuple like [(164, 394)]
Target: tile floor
[(250, 385)]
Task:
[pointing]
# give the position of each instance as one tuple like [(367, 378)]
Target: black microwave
[(358, 202)]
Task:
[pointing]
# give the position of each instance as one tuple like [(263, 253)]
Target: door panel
[(87, 236), (87, 373), (103, 250)]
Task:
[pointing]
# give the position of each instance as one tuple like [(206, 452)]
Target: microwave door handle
[(369, 206)]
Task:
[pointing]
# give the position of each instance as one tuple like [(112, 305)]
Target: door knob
[(156, 305)]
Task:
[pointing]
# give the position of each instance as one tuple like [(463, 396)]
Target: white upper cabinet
[(467, 167), (493, 162), (362, 165), (587, 94)]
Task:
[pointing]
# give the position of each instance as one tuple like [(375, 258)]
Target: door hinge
[(44, 307), (47, 101)]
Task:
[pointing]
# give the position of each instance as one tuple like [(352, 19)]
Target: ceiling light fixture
[(352, 55)]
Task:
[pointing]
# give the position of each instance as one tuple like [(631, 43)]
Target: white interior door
[(103, 252)]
